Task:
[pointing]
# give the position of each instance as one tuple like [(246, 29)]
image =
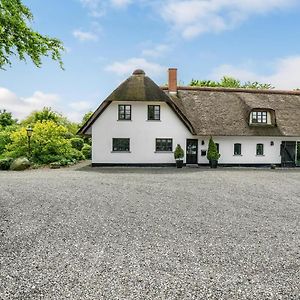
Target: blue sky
[(107, 39)]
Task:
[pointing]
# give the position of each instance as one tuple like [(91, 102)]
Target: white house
[(141, 123)]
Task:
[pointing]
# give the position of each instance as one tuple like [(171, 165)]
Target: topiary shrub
[(87, 151), (5, 163), (212, 153), (178, 153), (77, 143)]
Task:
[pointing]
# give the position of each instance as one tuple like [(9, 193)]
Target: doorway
[(191, 151), (288, 154)]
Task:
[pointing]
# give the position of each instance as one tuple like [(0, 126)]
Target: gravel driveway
[(150, 234)]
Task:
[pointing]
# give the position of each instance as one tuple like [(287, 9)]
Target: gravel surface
[(150, 234)]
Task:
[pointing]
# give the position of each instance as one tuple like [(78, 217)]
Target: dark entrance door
[(191, 151), (288, 154)]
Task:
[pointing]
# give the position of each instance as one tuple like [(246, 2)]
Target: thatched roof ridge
[(234, 90)]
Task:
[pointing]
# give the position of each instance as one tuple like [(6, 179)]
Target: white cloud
[(156, 51), (286, 74), (95, 7), (21, 107), (120, 3), (194, 17), (81, 106), (128, 66), (85, 35)]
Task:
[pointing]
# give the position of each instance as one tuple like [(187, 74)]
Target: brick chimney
[(173, 80)]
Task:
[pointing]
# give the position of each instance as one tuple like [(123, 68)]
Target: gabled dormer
[(262, 117)]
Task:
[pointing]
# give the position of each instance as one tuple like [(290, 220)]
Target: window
[(121, 145), (237, 149), (165, 145), (260, 149), (125, 112), (218, 147), (259, 117), (154, 112)]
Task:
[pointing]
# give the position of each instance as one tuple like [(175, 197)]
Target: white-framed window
[(259, 117)]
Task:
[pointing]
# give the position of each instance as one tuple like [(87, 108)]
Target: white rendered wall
[(142, 134), (248, 155)]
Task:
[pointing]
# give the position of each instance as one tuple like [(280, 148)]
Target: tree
[(86, 117), (6, 119), (47, 114), (230, 82), (17, 38)]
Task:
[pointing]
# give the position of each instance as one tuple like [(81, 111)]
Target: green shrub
[(87, 151), (178, 153), (48, 143), (76, 155), (77, 143), (212, 153), (5, 163)]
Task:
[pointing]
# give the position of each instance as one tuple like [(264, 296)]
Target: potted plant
[(212, 154), (179, 155)]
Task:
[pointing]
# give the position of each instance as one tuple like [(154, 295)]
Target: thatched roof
[(137, 87), (213, 111), (225, 112)]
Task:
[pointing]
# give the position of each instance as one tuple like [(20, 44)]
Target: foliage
[(179, 152), (230, 82), (48, 143), (212, 153), (77, 143), (5, 163), (47, 114), (86, 117), (6, 119), (87, 151), (5, 133), (17, 38)]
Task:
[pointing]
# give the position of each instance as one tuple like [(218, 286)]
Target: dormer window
[(259, 117)]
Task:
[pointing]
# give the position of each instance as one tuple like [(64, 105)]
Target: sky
[(106, 40)]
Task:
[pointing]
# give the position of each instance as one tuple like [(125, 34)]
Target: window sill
[(262, 155), (124, 120), (153, 120), (120, 152), (237, 155)]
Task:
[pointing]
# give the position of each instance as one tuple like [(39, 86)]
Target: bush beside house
[(53, 141)]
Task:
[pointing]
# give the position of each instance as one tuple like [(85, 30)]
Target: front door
[(288, 154), (191, 151)]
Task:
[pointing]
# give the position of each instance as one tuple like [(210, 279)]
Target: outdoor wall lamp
[(29, 134)]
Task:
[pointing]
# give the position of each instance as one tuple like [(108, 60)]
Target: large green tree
[(17, 38), (6, 119), (230, 82)]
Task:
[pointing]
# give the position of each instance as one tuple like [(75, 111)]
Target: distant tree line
[(230, 82)]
